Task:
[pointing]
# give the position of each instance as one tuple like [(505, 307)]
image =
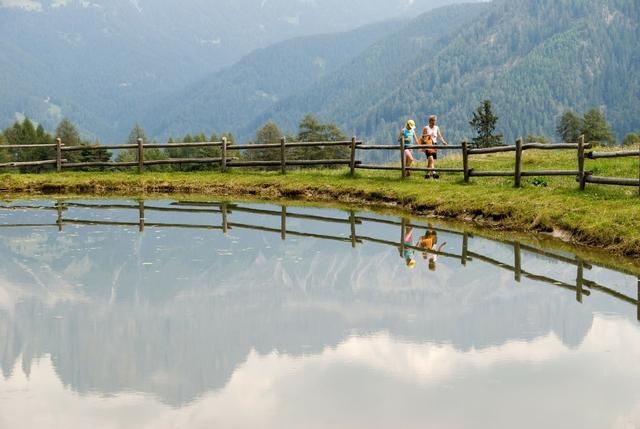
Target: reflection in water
[(138, 315)]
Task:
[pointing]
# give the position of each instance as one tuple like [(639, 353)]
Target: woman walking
[(430, 135)]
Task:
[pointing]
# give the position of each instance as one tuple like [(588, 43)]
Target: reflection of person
[(408, 135), (430, 253), (408, 254), (430, 135)]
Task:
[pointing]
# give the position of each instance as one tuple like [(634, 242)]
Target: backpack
[(426, 140)]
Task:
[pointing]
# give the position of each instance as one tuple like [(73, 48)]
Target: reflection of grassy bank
[(607, 217)]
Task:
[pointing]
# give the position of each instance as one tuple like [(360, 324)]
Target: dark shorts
[(433, 154)]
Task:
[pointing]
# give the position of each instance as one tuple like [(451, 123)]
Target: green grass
[(602, 216)]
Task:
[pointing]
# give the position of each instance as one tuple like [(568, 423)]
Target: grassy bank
[(605, 217)]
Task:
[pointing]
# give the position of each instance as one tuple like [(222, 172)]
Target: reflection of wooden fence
[(582, 286)]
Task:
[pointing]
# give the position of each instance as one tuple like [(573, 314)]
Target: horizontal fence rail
[(619, 181), (582, 286), (227, 156)]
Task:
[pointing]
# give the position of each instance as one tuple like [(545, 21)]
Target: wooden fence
[(589, 178), (224, 161), (582, 286), (582, 176)]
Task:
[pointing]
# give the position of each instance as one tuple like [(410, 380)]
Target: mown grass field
[(607, 217)]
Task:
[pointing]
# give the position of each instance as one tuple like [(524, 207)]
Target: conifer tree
[(69, 136), (569, 127), (484, 122), (312, 130), (131, 155), (596, 129), (631, 139), (4, 153), (268, 134)]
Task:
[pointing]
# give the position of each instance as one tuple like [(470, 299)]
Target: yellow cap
[(411, 263), (411, 124)]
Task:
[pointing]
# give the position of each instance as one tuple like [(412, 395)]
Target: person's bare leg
[(429, 165), (408, 160)]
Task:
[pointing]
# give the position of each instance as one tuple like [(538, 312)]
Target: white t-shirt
[(433, 132)]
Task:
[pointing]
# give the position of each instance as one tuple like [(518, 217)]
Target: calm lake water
[(168, 314)]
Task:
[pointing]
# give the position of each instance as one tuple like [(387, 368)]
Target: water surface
[(171, 314)]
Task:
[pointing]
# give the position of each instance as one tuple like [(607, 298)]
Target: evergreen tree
[(596, 129), (69, 136), (268, 134), (5, 156), (484, 122), (131, 155), (94, 155), (312, 130), (569, 127), (631, 139), (25, 133)]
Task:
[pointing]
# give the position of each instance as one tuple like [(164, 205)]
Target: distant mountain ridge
[(104, 63), (231, 99), (533, 59)]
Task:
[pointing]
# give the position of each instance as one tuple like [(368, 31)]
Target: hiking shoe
[(436, 176), (427, 176)]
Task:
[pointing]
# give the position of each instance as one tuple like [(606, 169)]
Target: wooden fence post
[(141, 215), (579, 280), (403, 230), (58, 154), (517, 262), (465, 247), (223, 162), (465, 160), (140, 155), (354, 237), (581, 175), (402, 163), (518, 167), (59, 219), (283, 159), (225, 223), (283, 222), (352, 159)]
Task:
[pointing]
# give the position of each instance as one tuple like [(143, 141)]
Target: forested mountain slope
[(348, 93), (232, 98), (104, 63), (532, 59)]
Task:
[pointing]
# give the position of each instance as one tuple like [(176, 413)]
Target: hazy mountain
[(349, 93), (232, 98), (309, 74), (104, 63), (533, 59)]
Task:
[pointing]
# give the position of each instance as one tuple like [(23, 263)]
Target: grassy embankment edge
[(607, 218)]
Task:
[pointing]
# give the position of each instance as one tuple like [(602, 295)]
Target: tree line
[(570, 126), (25, 132)]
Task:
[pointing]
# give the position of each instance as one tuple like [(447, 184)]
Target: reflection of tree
[(178, 333)]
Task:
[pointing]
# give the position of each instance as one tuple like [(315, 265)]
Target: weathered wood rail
[(582, 176), (620, 181), (224, 161), (582, 287)]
